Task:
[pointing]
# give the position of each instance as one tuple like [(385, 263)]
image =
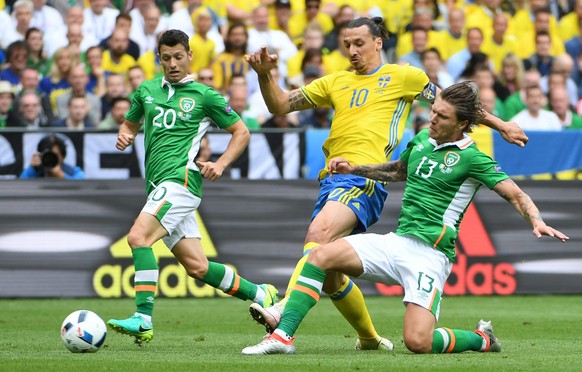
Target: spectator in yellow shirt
[(454, 37), (231, 61), (422, 18), (531, 23), (299, 21), (202, 46), (500, 43), (482, 17), (116, 60), (569, 24)]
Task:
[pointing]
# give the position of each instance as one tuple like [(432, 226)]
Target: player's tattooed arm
[(509, 191), (387, 172), (297, 101)]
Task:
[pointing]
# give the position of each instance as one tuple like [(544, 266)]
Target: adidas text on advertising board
[(116, 280)]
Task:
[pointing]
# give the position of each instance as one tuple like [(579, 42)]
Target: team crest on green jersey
[(451, 158), (187, 104)]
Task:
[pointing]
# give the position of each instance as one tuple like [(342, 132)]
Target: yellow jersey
[(298, 23), (435, 40), (370, 110), (224, 66), (497, 52), (202, 52), (451, 44), (126, 61), (150, 65), (526, 35), (568, 27)]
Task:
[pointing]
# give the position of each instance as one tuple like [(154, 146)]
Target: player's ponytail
[(375, 25)]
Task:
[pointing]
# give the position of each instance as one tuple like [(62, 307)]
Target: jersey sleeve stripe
[(396, 118), (307, 96)]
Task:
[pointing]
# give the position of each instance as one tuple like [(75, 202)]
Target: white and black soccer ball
[(83, 331)]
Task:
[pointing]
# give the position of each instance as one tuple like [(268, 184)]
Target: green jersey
[(175, 120), (442, 181)]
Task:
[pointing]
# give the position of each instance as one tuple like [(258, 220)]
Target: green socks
[(304, 296), (146, 279), (447, 340)]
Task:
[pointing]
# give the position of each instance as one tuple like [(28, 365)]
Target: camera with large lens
[(49, 159)]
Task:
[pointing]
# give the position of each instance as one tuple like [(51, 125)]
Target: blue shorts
[(364, 196)]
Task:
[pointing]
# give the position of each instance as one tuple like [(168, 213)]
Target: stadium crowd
[(75, 64)]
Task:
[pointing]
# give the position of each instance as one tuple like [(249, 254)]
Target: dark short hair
[(16, 45), (115, 100), (47, 143), (94, 47), (375, 26), (135, 67), (125, 16), (475, 29), (73, 96), (542, 33), (174, 37), (465, 98), (430, 50), (30, 31)]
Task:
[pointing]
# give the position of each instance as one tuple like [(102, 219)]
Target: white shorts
[(405, 260), (175, 207)]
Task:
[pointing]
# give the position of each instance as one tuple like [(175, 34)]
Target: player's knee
[(196, 269), (417, 342), (135, 239), (320, 232), (318, 257)]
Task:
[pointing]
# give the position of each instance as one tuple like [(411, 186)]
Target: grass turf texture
[(536, 332)]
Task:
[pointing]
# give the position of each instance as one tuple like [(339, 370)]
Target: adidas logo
[(357, 205)]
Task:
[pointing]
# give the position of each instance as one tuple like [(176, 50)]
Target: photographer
[(48, 161)]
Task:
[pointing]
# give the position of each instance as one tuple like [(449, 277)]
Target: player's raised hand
[(339, 165), (513, 133), (210, 170), (124, 140), (261, 61), (543, 229)]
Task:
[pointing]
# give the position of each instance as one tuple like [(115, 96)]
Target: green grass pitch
[(536, 332)]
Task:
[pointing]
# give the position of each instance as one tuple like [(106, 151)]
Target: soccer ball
[(83, 331)]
